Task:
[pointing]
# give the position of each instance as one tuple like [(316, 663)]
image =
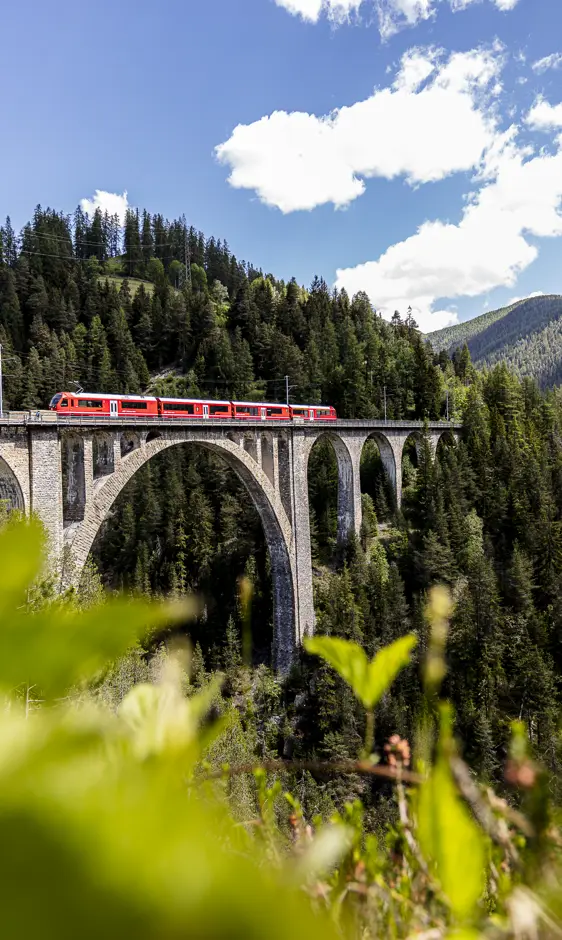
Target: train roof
[(109, 395), (194, 401), (318, 407), (261, 404)]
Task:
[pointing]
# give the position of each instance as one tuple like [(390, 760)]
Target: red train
[(141, 406)]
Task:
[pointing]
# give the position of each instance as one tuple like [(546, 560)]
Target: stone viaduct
[(69, 471)]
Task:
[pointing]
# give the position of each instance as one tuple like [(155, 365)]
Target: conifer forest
[(156, 307)]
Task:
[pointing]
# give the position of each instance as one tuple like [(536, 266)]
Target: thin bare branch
[(317, 767)]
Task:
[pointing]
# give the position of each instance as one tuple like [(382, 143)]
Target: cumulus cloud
[(434, 120), (535, 293), (486, 250), (311, 10), (393, 15), (544, 116), (553, 61), (113, 203)]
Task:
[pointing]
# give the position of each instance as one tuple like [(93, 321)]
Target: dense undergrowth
[(132, 803)]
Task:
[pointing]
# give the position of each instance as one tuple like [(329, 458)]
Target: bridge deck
[(51, 419)]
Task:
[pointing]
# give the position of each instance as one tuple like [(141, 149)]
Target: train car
[(314, 412), (193, 408), (91, 404), (142, 406), (260, 411)]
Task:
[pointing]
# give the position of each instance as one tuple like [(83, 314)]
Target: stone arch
[(390, 453), (387, 453), (268, 455), (129, 441), (274, 520), (11, 493), (348, 496), (443, 441), (73, 465), (415, 437), (153, 436), (103, 454), (448, 437)]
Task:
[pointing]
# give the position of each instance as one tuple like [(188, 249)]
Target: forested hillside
[(527, 335), (485, 518)]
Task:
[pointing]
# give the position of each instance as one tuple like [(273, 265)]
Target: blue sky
[(441, 190)]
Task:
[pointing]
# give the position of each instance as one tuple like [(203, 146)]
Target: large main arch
[(347, 483), (79, 537)]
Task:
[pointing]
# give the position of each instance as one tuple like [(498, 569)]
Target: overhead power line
[(72, 238)]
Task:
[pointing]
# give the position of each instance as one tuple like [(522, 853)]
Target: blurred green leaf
[(21, 552), (57, 647), (369, 680), (326, 850), (163, 721), (449, 837), (108, 847)]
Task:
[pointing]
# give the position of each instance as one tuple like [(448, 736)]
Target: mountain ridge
[(526, 334)]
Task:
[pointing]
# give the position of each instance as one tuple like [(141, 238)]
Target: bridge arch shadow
[(263, 496), (330, 491), (11, 495), (378, 474)]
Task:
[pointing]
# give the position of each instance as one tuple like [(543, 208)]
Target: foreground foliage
[(116, 821)]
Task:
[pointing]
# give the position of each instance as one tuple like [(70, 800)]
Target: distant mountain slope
[(527, 335), (453, 336)]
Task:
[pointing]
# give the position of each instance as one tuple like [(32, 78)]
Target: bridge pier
[(45, 473)]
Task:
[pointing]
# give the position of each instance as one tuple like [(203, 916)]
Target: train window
[(176, 406), (275, 411), (55, 400), (91, 403), (253, 412), (218, 409), (134, 405), (64, 403)]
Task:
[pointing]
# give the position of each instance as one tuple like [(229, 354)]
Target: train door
[(263, 413), (205, 411), (113, 409), (311, 414)]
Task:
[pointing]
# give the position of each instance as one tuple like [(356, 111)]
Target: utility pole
[(447, 404), (385, 404), (288, 388)]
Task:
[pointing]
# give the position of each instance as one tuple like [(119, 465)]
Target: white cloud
[(114, 203), (515, 300), (311, 10), (544, 116), (433, 121), (553, 61), (487, 249), (393, 15)]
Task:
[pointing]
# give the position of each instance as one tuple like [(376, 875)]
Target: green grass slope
[(526, 335), (134, 283)]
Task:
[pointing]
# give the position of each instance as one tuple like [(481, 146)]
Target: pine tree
[(10, 311), (33, 381), (147, 240)]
